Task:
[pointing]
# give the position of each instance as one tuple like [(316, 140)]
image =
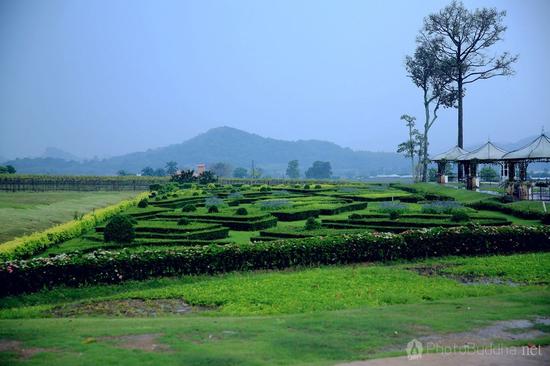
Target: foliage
[(441, 207), (8, 169), (184, 176), (319, 170), (207, 177), (459, 216), (275, 204), (213, 201), (183, 221), (120, 229), (188, 208), (148, 171), (312, 224), (488, 174), (390, 206), (144, 202), (241, 211), (293, 170), (213, 209), (103, 266), (240, 172), (171, 168)]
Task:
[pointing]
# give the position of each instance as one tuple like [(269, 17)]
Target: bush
[(265, 188), (154, 187), (213, 201), (317, 186), (143, 203), (306, 186), (241, 211), (507, 198), (113, 267), (459, 216), (390, 206), (213, 209), (394, 215), (312, 224), (188, 208), (120, 229), (546, 219), (183, 221), (355, 216), (441, 207)]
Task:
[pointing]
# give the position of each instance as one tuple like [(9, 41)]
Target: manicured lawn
[(322, 338), (26, 212)]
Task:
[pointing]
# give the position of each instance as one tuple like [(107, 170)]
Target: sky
[(104, 78)]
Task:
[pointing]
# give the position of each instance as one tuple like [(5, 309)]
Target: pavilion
[(536, 151)]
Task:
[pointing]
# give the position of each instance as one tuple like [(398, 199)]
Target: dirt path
[(510, 356)]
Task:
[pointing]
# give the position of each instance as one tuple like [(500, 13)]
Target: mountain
[(55, 153), (236, 147)]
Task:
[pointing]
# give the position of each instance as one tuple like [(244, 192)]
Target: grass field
[(309, 316), (26, 212)]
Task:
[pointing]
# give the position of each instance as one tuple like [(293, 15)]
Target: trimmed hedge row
[(260, 224), (494, 205), (112, 267), (29, 245), (207, 234)]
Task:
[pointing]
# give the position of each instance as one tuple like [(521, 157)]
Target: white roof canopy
[(450, 155), (538, 149), (487, 152)]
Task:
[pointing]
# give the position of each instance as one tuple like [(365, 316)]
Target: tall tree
[(148, 171), (292, 170), (410, 147), (463, 38), (319, 170), (427, 72), (171, 167)]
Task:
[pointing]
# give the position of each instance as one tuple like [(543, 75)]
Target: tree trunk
[(425, 140), (460, 122)]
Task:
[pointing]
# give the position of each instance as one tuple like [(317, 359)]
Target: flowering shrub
[(111, 267), (392, 207), (441, 207), (274, 204), (213, 202), (235, 195)]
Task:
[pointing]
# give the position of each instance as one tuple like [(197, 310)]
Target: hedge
[(493, 205), (29, 245), (112, 267)]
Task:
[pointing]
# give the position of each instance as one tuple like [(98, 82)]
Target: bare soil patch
[(126, 308), (145, 342), (7, 345)]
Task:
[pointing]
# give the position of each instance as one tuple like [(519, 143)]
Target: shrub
[(113, 267), (312, 224), (275, 204), (213, 201), (546, 219), (355, 216), (265, 188), (394, 215), (195, 194), (235, 195), (306, 186), (188, 208), (390, 206), (187, 185), (143, 203), (441, 207), (213, 209), (241, 211), (280, 192), (507, 198), (459, 215), (120, 229), (154, 187), (183, 221), (317, 186)]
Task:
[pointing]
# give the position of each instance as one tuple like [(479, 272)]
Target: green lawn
[(353, 313), (26, 212)]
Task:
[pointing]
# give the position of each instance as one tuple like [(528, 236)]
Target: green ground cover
[(23, 213)]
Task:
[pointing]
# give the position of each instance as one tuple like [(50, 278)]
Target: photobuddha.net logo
[(414, 350)]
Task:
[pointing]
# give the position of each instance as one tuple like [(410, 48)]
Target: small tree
[(207, 177), (312, 224), (171, 167), (240, 172), (184, 176), (120, 229), (319, 170), (292, 170), (10, 169), (412, 146), (221, 169), (488, 174), (159, 172)]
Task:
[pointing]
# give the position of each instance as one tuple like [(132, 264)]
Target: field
[(22, 213), (284, 274)]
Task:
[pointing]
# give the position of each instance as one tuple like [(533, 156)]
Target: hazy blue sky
[(110, 77)]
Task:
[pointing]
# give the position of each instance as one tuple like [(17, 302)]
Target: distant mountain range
[(230, 145)]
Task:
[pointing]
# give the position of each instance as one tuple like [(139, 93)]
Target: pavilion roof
[(450, 155), (487, 152), (539, 148)]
